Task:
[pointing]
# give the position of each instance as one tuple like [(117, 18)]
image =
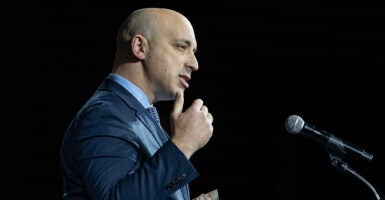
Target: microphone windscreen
[(294, 124)]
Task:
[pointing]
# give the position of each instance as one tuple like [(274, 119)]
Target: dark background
[(259, 63)]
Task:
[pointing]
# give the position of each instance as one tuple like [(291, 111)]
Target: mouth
[(184, 80)]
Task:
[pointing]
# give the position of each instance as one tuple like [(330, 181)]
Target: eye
[(182, 47)]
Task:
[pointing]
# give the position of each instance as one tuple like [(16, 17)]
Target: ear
[(138, 44)]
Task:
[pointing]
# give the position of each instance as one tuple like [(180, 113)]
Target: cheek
[(172, 64), (168, 63)]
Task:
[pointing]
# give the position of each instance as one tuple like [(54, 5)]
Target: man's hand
[(191, 129), (213, 195)]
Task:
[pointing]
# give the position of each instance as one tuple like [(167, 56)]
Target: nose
[(192, 63)]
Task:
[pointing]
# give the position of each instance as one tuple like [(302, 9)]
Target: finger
[(197, 104), (178, 103), (204, 109), (210, 117)]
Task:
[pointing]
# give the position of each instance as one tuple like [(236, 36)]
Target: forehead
[(179, 29)]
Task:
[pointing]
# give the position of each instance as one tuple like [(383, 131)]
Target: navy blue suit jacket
[(113, 149)]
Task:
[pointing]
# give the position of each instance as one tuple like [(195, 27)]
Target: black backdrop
[(260, 63)]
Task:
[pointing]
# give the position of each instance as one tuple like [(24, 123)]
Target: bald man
[(114, 148)]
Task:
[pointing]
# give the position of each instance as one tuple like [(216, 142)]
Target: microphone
[(296, 125)]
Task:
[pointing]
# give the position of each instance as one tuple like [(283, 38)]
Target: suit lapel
[(147, 129)]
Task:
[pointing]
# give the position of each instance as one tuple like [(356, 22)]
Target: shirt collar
[(131, 88)]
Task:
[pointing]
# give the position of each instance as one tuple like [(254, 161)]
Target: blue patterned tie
[(154, 113)]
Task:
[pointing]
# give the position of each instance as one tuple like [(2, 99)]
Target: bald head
[(147, 22), (152, 25)]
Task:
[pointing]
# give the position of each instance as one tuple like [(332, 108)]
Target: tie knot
[(154, 113)]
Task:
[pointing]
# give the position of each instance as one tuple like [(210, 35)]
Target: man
[(114, 148)]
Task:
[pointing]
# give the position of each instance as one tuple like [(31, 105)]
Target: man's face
[(171, 59)]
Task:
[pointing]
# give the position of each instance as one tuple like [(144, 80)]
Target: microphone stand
[(336, 154)]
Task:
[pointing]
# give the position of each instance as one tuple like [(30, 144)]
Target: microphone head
[(294, 124)]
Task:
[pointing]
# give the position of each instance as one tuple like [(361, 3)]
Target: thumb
[(178, 103)]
